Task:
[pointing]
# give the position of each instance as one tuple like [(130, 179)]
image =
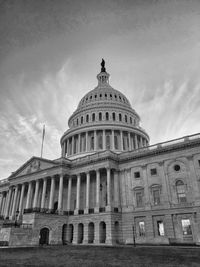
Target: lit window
[(137, 175), (156, 196), (180, 190), (139, 198), (160, 227), (153, 171), (186, 227), (141, 229)]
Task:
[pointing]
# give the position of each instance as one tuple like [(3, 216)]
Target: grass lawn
[(100, 256)]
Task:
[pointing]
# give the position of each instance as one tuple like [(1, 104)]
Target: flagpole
[(43, 134)]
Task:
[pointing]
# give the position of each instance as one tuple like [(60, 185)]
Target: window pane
[(186, 227), (107, 141), (141, 229), (160, 227), (156, 196), (139, 199)]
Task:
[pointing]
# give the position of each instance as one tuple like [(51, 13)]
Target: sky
[(50, 54)]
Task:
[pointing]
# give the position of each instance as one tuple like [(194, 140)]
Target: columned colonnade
[(102, 140), (12, 201)]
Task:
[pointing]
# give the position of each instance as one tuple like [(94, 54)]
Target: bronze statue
[(103, 69)]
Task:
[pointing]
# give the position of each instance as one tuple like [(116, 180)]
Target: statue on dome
[(103, 69)]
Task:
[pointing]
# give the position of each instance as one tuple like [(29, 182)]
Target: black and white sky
[(50, 54)]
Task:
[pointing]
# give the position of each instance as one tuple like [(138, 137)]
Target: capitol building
[(110, 186)]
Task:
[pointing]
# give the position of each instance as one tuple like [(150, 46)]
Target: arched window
[(107, 116), (180, 190), (113, 115), (93, 116), (87, 118), (120, 117), (77, 121), (125, 118), (100, 116)]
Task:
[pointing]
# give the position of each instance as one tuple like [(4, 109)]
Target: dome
[(103, 120)]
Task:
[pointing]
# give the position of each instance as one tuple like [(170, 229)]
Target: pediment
[(33, 165)]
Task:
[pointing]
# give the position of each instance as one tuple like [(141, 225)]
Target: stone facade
[(109, 186)]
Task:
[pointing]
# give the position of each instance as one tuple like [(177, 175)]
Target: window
[(186, 227), (199, 162), (87, 118), (107, 141), (107, 116), (177, 168), (111, 96), (93, 116), (77, 121), (100, 141), (92, 142), (116, 141), (160, 227), (106, 96), (156, 196), (81, 120), (91, 97), (153, 171), (137, 175), (139, 198), (180, 190), (100, 116), (141, 229), (125, 118), (131, 120), (120, 117), (113, 115)]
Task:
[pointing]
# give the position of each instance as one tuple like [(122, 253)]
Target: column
[(68, 147), (86, 141), (113, 140), (97, 190), (129, 141), (194, 180), (14, 203), (1, 203), (136, 142), (116, 188), (44, 189), (108, 188), (52, 190), (28, 200), (21, 200), (121, 140), (69, 193), (8, 203), (104, 140), (60, 193), (36, 194), (141, 144), (78, 183), (87, 191), (79, 143), (147, 203), (64, 149), (95, 140)]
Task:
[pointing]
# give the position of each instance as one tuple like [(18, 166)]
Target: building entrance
[(44, 236)]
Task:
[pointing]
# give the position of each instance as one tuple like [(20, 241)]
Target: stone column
[(121, 140), (113, 139), (97, 190), (3, 204), (129, 141), (28, 200), (87, 191), (104, 140), (8, 202), (78, 183), (44, 189), (136, 142), (14, 203), (86, 141), (95, 140), (36, 194), (69, 193), (21, 200), (51, 199), (60, 194), (108, 190)]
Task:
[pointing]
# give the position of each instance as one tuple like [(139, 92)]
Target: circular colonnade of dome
[(103, 120)]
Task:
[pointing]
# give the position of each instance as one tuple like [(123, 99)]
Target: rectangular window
[(199, 162), (137, 175), (160, 227), (116, 142), (153, 171), (141, 229), (186, 227), (156, 196), (139, 199), (100, 141)]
